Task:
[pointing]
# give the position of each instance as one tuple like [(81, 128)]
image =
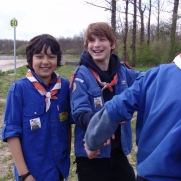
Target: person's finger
[(107, 142), (113, 136), (121, 123)]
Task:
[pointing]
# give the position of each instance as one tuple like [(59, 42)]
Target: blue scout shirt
[(43, 135), (156, 97), (86, 95)]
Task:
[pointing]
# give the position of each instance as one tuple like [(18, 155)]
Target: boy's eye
[(91, 40), (102, 39), (52, 57), (38, 56)]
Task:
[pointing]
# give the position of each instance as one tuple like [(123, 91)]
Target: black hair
[(36, 44)]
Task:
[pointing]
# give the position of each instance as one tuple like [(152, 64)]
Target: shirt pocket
[(32, 116), (96, 99), (36, 129)]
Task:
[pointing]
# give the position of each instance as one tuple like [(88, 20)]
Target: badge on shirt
[(35, 123), (124, 82), (97, 102), (63, 116)]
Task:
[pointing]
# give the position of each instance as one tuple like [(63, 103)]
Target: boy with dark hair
[(99, 77), (37, 116)]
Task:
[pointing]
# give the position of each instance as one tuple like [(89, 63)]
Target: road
[(9, 64)]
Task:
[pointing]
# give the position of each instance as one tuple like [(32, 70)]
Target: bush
[(73, 52)]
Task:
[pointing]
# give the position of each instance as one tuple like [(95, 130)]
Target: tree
[(173, 29), (133, 46), (142, 29), (125, 32), (149, 18), (113, 14), (111, 7), (21, 50)]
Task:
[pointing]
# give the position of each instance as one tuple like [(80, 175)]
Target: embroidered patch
[(63, 116), (80, 80), (74, 87), (97, 102), (35, 123)]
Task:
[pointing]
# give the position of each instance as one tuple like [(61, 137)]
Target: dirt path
[(10, 65)]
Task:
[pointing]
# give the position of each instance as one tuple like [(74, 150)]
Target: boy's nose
[(97, 43), (46, 60)]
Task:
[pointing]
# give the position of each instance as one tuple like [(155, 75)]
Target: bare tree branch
[(105, 8)]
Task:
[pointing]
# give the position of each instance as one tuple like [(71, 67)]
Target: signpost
[(14, 24)]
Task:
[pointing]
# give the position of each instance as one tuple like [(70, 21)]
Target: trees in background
[(68, 45), (7, 47), (148, 32), (173, 42), (108, 5)]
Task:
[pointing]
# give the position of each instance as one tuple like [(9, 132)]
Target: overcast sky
[(64, 18)]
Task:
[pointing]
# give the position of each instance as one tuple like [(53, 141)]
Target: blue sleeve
[(100, 124), (122, 106), (82, 119), (80, 103), (13, 114)]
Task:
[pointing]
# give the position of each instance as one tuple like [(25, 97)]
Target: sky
[(60, 18)]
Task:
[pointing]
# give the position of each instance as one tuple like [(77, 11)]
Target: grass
[(6, 79), (8, 175), (7, 158), (3, 145), (71, 58)]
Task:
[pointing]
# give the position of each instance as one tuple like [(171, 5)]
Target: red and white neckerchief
[(177, 60), (49, 95), (105, 84), (72, 80)]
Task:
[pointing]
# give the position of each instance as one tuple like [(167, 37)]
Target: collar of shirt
[(50, 85)]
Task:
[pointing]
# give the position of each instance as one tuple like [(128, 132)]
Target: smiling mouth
[(97, 51), (45, 68)]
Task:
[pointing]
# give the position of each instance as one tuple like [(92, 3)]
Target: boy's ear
[(113, 46)]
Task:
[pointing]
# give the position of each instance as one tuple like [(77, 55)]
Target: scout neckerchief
[(105, 84), (177, 60), (72, 80), (49, 95)]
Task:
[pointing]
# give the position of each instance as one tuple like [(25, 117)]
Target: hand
[(108, 142), (121, 123), (91, 154)]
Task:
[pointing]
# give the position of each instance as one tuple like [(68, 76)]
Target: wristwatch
[(23, 177)]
